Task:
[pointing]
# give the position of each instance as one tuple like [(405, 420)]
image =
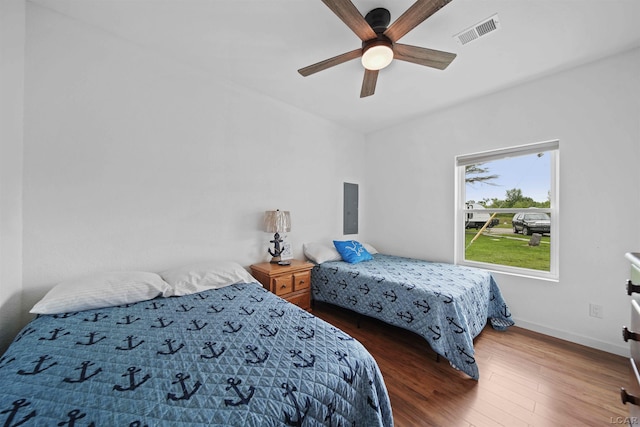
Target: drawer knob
[(631, 288), (626, 397), (630, 335)]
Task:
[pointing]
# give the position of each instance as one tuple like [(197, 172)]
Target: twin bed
[(233, 356), (207, 345), (446, 304)]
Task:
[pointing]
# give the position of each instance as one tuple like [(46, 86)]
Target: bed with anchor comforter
[(236, 356), (446, 304)]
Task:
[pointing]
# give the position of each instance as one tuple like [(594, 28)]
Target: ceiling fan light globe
[(377, 57)]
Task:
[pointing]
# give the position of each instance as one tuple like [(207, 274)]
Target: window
[(507, 215)]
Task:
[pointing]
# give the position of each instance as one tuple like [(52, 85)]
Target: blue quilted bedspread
[(237, 356), (446, 304)]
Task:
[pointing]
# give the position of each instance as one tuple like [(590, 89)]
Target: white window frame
[(553, 147)]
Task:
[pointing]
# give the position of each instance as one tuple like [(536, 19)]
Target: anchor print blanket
[(446, 304), (236, 356)]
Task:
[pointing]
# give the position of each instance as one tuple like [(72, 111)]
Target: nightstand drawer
[(301, 280), (303, 301), (282, 285)]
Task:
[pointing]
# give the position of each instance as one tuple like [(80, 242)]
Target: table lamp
[(276, 222)]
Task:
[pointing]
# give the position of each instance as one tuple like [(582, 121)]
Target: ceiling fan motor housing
[(378, 19), (381, 40)]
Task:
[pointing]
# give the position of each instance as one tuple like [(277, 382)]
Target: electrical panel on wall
[(350, 209)]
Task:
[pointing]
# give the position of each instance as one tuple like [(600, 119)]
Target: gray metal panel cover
[(350, 218)]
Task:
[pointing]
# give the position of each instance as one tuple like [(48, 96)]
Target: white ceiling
[(260, 45)]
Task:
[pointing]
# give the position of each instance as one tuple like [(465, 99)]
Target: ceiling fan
[(380, 41)]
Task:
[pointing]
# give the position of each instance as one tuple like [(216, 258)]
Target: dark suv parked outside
[(531, 222)]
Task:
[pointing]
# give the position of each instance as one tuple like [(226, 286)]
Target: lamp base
[(277, 250)]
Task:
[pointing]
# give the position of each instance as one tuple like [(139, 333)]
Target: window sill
[(513, 271)]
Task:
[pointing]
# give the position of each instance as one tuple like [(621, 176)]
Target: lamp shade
[(277, 221)]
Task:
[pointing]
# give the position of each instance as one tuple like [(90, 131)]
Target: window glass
[(507, 210)]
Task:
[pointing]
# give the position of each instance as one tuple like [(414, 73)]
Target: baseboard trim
[(619, 349)]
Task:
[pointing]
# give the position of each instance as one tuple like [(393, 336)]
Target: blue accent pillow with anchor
[(352, 251)]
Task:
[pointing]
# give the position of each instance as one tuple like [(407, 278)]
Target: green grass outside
[(508, 249), (505, 220)]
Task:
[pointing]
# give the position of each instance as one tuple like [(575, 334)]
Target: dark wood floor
[(526, 378)]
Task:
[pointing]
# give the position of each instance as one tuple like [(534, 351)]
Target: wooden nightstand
[(291, 282)]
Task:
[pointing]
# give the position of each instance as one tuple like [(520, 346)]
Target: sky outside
[(530, 173)]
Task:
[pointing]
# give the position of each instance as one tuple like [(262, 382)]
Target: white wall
[(12, 39), (135, 161), (594, 111)]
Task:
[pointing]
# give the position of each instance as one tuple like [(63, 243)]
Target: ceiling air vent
[(480, 29)]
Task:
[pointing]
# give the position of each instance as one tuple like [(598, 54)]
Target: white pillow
[(370, 248), (319, 253), (199, 277), (101, 290)]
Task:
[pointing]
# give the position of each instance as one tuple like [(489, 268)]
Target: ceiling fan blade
[(369, 83), (418, 12), (328, 63), (423, 56), (350, 15)]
